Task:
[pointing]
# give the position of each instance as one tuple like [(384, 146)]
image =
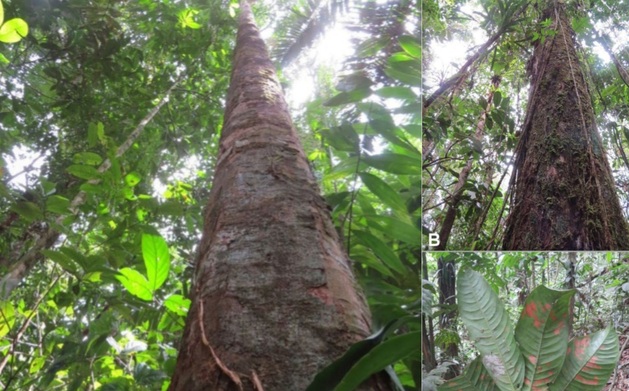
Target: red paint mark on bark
[(322, 293), (592, 382)]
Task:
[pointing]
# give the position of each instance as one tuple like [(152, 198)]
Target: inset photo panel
[(525, 321), (525, 130)]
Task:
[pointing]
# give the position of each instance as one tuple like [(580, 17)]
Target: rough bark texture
[(564, 195), (274, 296)]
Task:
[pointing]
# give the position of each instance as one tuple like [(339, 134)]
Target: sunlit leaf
[(411, 45), (135, 283), (132, 179), (156, 259), (13, 30), (7, 317)]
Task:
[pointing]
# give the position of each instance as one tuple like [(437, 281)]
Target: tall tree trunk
[(564, 195), (274, 297)]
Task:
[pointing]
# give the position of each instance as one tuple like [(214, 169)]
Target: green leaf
[(57, 204), (404, 68), (1, 13), (383, 191), (28, 210), (402, 93), (396, 229), (3, 59), (394, 163), (156, 259), (381, 250), (135, 283), (475, 378), (83, 172), (132, 179), (387, 353), (328, 378), (89, 158), (62, 260), (489, 327), (348, 97), (342, 138), (177, 304), (7, 317), (411, 45), (13, 30), (589, 363), (186, 18), (542, 333)]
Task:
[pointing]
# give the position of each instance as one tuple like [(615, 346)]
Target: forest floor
[(620, 379)]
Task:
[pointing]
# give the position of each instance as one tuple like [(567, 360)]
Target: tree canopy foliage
[(110, 113)]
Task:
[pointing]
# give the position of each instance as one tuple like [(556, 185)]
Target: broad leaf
[(328, 378), (589, 362), (89, 158), (381, 250), (411, 45), (394, 163), (348, 97), (475, 378), (385, 354), (342, 138), (490, 328), (57, 204), (7, 317), (395, 229), (156, 259), (135, 283), (542, 333), (13, 30), (383, 191), (28, 210), (62, 260), (83, 171)]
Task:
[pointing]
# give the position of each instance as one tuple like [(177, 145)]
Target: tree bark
[(564, 194), (274, 298)]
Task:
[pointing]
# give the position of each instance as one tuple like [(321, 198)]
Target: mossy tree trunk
[(564, 193), (274, 297)]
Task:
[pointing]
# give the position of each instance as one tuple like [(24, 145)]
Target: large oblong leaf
[(13, 30), (387, 353), (489, 327), (156, 259), (135, 283), (475, 378), (542, 333), (589, 363)]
